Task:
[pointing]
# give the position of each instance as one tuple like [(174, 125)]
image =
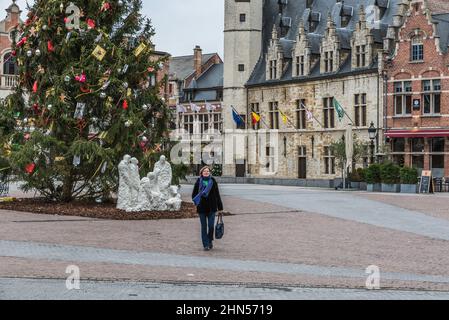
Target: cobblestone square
[(280, 243)]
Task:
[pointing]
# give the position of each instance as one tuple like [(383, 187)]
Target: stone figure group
[(151, 193)]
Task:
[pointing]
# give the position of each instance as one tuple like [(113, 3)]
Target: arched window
[(417, 50), (9, 64)]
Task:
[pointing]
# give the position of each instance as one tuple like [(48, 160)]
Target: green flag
[(339, 109)]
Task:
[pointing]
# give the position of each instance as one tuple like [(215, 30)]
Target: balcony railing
[(8, 81)]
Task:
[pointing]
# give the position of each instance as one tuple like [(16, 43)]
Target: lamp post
[(372, 132)]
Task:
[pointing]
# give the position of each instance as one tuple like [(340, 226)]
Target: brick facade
[(6, 26), (403, 66)]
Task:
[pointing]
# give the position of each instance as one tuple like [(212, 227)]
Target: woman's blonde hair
[(204, 168)]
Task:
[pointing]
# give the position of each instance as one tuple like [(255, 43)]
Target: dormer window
[(300, 66), (273, 69), (382, 6), (285, 25), (346, 14), (328, 61), (314, 20), (360, 56), (417, 49)]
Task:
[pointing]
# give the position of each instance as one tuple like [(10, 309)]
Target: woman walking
[(206, 197)]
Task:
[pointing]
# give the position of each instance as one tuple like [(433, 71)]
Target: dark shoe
[(211, 246), (206, 248)]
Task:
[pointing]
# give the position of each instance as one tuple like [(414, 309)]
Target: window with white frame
[(403, 98), (431, 96), (417, 50), (189, 123)]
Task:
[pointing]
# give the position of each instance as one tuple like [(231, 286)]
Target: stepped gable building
[(8, 70), (196, 91), (417, 117), (308, 53), (196, 96)]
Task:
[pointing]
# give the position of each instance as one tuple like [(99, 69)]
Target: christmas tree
[(87, 95)]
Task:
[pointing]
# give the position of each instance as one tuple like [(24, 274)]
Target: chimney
[(197, 56)]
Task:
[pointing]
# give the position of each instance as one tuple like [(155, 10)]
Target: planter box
[(391, 187), (377, 187), (409, 188), (355, 185), (363, 186)]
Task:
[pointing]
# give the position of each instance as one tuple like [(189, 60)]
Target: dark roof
[(206, 86), (212, 77), (297, 11), (442, 21), (182, 67)]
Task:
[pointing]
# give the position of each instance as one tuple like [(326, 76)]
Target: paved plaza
[(280, 243)]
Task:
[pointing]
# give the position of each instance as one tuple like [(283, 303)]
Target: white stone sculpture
[(124, 183), (145, 199), (163, 172), (152, 193), (134, 178), (175, 201)]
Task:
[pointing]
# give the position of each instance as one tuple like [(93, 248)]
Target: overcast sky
[(181, 24)]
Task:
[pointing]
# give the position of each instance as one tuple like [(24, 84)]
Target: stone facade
[(417, 117), (314, 138), (242, 47), (7, 76), (312, 52)]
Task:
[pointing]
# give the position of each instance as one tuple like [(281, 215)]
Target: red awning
[(420, 133)]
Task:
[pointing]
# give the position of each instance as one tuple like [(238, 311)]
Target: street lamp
[(372, 132)]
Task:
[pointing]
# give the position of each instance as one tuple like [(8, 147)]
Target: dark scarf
[(204, 190)]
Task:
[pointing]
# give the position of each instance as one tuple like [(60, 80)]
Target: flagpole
[(244, 122), (305, 108), (288, 119), (261, 119)]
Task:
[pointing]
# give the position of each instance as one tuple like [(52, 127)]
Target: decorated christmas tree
[(87, 95)]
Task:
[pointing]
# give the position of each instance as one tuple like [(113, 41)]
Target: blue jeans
[(207, 228)]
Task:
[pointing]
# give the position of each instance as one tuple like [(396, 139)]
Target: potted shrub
[(372, 178), (391, 177), (409, 180), (357, 179)]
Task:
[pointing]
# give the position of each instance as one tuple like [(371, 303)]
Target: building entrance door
[(302, 162), (240, 168)]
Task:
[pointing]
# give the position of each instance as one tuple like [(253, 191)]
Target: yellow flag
[(284, 117)]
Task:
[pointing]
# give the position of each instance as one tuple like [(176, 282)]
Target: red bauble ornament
[(30, 168), (36, 107), (50, 46), (81, 78), (35, 86), (106, 6), (91, 23), (125, 105)]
